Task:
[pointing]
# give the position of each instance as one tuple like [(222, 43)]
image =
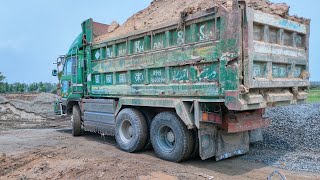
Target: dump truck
[(196, 87)]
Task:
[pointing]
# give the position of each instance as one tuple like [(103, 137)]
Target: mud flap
[(256, 135), (207, 140), (231, 144)]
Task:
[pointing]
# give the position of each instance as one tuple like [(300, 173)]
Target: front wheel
[(76, 121), (171, 140)]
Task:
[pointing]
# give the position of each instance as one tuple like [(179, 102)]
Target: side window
[(70, 67), (74, 66)]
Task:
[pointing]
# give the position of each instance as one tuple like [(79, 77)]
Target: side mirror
[(54, 72)]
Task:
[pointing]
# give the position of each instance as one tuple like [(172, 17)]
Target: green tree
[(2, 77), (2, 84), (42, 87)]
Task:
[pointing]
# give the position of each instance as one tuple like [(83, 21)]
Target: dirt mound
[(40, 105), (3, 100), (27, 110), (161, 11)]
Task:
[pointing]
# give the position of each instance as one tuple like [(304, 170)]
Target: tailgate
[(278, 52), (275, 59), (275, 63)]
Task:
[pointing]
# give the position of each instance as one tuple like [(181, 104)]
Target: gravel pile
[(294, 127), (292, 141)]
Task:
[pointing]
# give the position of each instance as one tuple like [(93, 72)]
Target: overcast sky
[(34, 33)]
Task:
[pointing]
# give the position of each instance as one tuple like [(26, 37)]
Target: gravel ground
[(292, 140)]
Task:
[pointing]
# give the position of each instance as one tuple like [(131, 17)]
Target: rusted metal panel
[(211, 117), (234, 122)]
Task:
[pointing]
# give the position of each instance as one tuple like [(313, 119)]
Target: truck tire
[(148, 115), (170, 138), (76, 121), (131, 130), (195, 152)]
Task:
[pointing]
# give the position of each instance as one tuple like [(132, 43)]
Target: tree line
[(6, 87), (315, 84)]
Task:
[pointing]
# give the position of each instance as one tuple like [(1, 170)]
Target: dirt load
[(27, 110), (164, 11)]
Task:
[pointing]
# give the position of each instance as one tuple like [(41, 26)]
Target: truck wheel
[(148, 115), (171, 140), (76, 121), (131, 130), (195, 152)]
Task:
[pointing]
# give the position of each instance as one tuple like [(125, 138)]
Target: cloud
[(16, 44)]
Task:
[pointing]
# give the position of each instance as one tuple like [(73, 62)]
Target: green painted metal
[(77, 44), (137, 65), (217, 56), (56, 107)]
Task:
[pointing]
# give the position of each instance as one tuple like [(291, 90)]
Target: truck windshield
[(70, 66)]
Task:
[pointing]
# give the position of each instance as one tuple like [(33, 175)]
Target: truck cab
[(70, 74)]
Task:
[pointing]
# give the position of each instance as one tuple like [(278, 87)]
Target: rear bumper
[(244, 121), (260, 99)]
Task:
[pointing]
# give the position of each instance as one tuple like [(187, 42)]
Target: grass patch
[(313, 95)]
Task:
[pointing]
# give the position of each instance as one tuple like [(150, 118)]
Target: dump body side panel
[(197, 61)]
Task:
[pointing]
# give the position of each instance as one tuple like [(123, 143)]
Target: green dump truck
[(195, 87)]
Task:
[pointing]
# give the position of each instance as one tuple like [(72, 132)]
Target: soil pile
[(28, 111), (164, 11), (36, 107)]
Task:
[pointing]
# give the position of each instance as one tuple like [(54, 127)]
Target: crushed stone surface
[(292, 140), (164, 11)]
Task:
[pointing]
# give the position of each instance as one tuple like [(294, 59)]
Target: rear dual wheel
[(131, 130), (171, 140)]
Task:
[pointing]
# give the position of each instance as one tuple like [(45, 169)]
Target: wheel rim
[(126, 131), (166, 139)]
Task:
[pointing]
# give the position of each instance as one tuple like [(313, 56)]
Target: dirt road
[(55, 154)]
